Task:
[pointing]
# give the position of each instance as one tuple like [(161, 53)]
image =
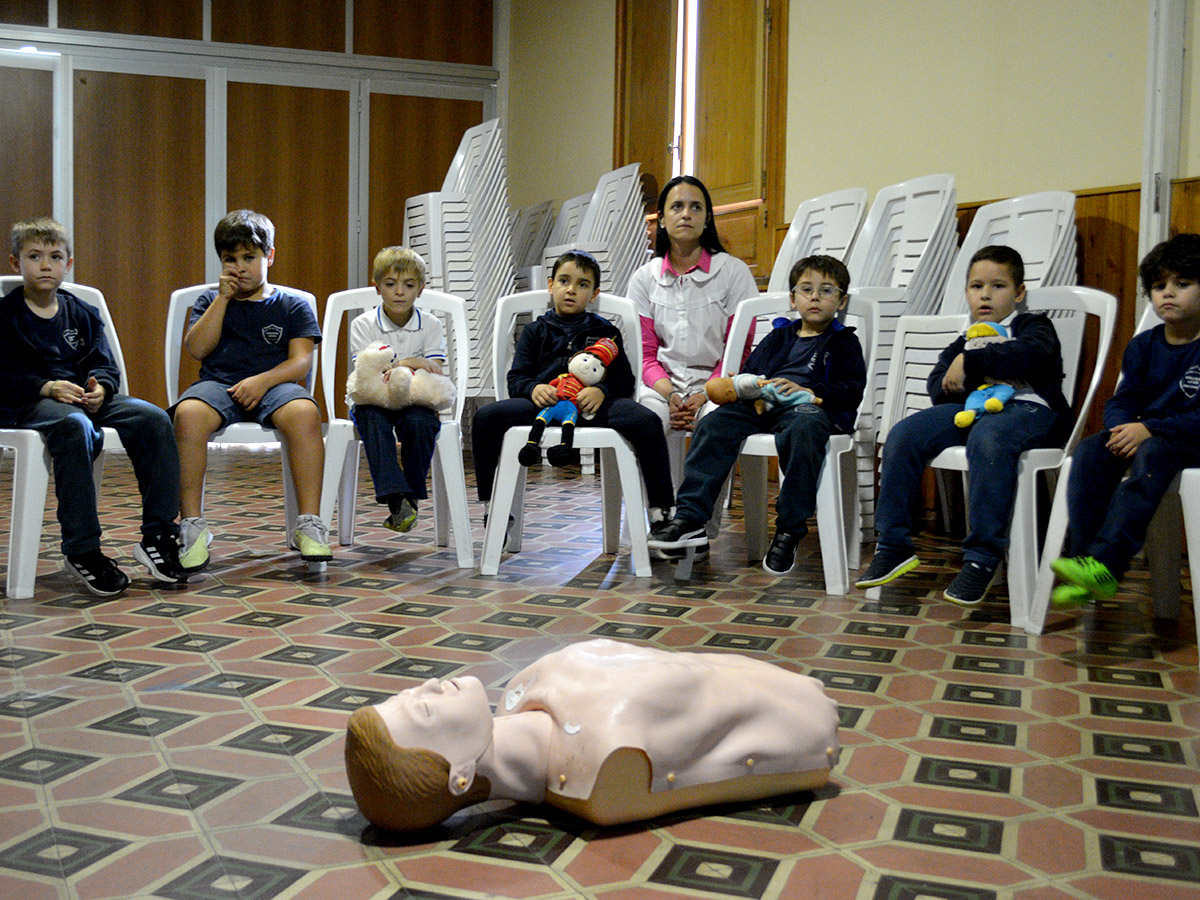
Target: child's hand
[(227, 284), (955, 379), (543, 395), (93, 395), (1124, 440), (784, 386), (249, 391), (589, 399), (419, 362), (64, 392)]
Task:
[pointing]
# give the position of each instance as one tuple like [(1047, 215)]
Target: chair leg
[(450, 494), (1189, 494), (831, 522), (1056, 536), (509, 480), (1163, 555), (31, 480), (1022, 548), (338, 438), (347, 493), (754, 504), (610, 500), (635, 505)]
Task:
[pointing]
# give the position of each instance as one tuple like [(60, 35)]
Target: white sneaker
[(311, 538), (194, 538)]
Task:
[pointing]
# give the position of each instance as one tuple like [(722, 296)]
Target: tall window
[(698, 93)]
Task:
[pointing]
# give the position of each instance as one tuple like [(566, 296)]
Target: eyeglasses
[(825, 291)]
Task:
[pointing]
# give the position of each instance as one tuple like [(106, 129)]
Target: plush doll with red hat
[(586, 368)]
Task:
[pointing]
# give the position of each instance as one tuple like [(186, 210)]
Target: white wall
[(560, 97), (1010, 96)]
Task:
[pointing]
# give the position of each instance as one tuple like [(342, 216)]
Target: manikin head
[(411, 760)]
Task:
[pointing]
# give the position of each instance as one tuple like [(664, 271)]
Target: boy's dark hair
[(829, 266), (244, 228), (709, 239), (1179, 256), (584, 260), (1002, 255), (43, 229)]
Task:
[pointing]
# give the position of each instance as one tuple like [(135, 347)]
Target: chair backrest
[(920, 340), (93, 298), (530, 230), (825, 224), (619, 310), (899, 230), (1041, 227), (178, 312), (570, 219), (860, 312), (345, 305)]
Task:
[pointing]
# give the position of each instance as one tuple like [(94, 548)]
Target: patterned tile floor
[(187, 744)]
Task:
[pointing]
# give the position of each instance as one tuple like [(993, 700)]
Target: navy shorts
[(217, 395)]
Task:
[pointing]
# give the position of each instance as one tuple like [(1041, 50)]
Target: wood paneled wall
[(139, 205), (26, 147)]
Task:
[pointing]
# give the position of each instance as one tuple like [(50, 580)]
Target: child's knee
[(298, 419), (195, 420)]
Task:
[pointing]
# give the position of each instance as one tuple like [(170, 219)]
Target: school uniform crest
[(272, 333), (1190, 382), (71, 337)]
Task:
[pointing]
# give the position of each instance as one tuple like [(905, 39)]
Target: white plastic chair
[(342, 447), (178, 312), (838, 522), (1162, 539), (616, 454), (825, 224), (920, 339), (32, 467), (1041, 227)]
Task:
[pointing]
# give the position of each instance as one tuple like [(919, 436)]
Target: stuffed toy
[(378, 381), (756, 389), (987, 397), (586, 368)]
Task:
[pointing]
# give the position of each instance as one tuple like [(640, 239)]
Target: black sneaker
[(98, 573), (673, 538), (888, 564), (969, 586), (160, 555), (781, 555), (506, 547)]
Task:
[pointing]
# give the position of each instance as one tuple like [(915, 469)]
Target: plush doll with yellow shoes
[(987, 397)]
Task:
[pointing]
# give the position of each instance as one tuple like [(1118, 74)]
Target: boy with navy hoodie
[(817, 353)]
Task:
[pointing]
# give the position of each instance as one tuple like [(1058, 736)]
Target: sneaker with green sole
[(1088, 573), (1069, 596), (311, 538), (194, 538), (403, 518)]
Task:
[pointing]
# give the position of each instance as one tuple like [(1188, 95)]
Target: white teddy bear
[(378, 381)]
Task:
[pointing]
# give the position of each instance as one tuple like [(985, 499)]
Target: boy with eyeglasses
[(815, 352)]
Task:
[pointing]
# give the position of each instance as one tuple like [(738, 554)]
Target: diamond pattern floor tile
[(186, 744)]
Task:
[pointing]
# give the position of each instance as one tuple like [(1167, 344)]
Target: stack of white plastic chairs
[(613, 230), (1041, 227), (823, 225), (531, 227), (565, 231), (463, 231), (907, 242)]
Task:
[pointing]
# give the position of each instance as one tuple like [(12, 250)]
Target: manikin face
[(451, 718), (250, 265), (684, 213), (43, 266), (991, 293), (398, 292)]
